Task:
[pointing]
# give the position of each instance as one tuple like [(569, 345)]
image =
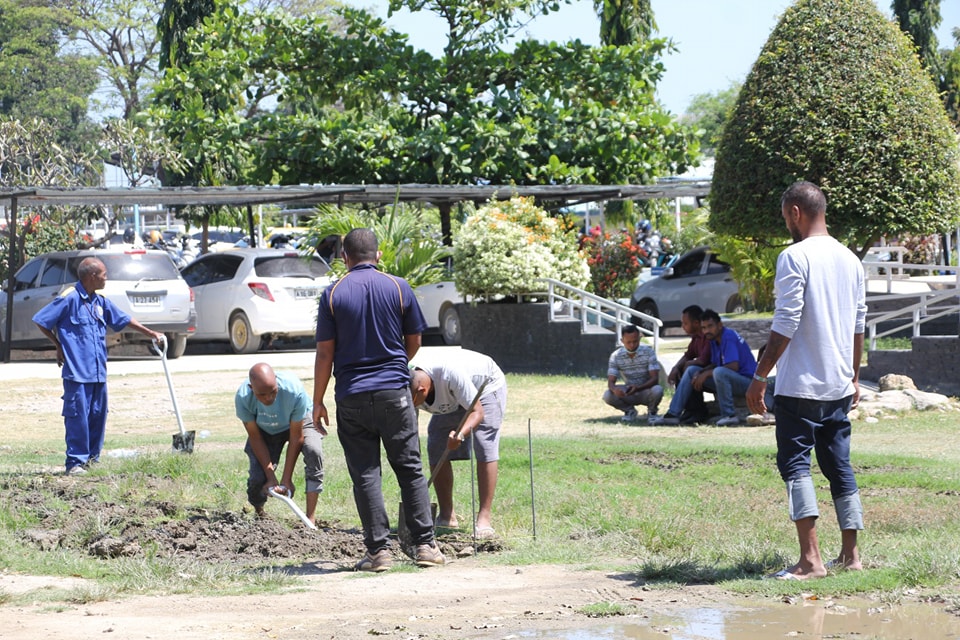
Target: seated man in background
[(731, 367), (687, 405), (637, 365)]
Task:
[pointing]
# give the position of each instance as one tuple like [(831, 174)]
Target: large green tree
[(370, 108), (39, 76), (709, 112), (919, 19), (951, 79), (625, 21), (838, 97), (204, 163), (123, 33)]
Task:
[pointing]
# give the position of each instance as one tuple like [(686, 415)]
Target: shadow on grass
[(615, 421), (694, 572)]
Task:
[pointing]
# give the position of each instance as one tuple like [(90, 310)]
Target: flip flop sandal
[(486, 533), (783, 574)]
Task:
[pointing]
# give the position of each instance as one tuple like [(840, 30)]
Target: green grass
[(606, 610), (894, 344), (663, 506)]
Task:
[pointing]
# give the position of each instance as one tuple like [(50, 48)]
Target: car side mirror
[(667, 273)]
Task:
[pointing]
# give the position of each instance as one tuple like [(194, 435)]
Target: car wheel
[(649, 307), (242, 339), (735, 305), (450, 325), (176, 345)]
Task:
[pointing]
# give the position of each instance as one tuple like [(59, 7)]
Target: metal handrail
[(920, 312), (593, 310), (900, 266)]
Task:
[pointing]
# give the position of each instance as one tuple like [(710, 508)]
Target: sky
[(717, 40)]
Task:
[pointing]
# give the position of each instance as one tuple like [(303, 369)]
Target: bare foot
[(842, 563), (261, 513), (449, 522)]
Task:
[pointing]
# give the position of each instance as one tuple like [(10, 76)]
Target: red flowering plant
[(614, 261)]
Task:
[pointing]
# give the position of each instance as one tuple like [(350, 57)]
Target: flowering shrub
[(505, 247), (614, 262)]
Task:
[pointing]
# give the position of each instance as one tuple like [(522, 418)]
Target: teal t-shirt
[(291, 405)]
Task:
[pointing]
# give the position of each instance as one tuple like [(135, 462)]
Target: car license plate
[(145, 301), (304, 294)]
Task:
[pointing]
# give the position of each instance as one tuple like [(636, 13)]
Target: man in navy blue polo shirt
[(368, 329), (76, 322)]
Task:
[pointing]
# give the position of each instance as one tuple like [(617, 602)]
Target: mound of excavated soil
[(70, 516)]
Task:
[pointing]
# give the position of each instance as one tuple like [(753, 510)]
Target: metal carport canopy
[(339, 194), (343, 194)]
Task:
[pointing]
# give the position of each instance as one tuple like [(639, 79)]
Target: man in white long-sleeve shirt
[(817, 337)]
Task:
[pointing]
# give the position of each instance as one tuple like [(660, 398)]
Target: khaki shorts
[(486, 437)]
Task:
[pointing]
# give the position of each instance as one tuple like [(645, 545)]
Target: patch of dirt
[(135, 526)]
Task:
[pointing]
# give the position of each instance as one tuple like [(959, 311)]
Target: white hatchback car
[(438, 303), (144, 284), (251, 297)]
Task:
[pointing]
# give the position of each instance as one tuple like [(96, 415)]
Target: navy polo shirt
[(367, 313), (80, 320)]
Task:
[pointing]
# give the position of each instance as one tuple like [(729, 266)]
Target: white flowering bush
[(506, 246)]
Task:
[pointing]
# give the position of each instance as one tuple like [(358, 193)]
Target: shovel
[(183, 441), (403, 533), (293, 507)]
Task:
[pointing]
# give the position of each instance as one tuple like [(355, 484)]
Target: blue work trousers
[(85, 421)]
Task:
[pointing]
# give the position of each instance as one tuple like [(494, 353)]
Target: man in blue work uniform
[(76, 323), (275, 410), (368, 329)]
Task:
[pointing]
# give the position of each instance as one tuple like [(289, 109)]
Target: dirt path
[(461, 600)]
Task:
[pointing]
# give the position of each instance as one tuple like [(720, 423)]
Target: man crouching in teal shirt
[(275, 410)]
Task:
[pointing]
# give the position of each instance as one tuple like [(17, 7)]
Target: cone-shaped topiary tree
[(838, 97)]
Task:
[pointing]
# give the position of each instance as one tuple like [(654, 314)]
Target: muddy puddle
[(810, 620)]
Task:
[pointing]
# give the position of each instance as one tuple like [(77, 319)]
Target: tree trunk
[(445, 208)]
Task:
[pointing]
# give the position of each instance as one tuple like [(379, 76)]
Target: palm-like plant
[(408, 249)]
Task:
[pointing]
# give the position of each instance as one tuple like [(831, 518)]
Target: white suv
[(144, 284)]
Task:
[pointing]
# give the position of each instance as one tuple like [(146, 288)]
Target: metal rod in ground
[(473, 500), (533, 507)]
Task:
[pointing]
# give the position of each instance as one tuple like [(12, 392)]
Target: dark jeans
[(364, 420), (804, 424)]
